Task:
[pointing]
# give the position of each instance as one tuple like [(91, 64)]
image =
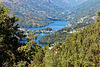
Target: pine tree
[(9, 36)]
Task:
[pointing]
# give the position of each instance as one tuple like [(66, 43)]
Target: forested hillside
[(80, 49), (33, 13), (36, 13), (13, 53), (61, 35), (85, 12)]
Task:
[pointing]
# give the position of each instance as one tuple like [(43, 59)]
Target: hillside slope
[(80, 49), (85, 12), (36, 13), (61, 35), (32, 12)]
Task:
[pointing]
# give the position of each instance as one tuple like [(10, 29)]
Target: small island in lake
[(45, 30)]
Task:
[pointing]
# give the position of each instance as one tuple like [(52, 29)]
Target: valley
[(32, 18), (54, 26), (36, 13), (50, 33)]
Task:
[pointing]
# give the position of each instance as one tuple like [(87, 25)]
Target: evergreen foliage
[(61, 35), (80, 49), (9, 35), (13, 53)]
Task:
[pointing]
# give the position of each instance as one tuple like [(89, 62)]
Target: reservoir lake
[(57, 25)]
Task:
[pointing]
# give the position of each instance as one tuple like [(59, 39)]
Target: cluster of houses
[(68, 25), (79, 21), (57, 49), (44, 31), (26, 32), (73, 31), (82, 19)]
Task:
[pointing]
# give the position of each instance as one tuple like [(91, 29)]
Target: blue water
[(39, 37), (57, 25)]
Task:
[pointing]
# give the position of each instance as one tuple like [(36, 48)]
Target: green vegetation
[(37, 13), (13, 53), (85, 11), (61, 35), (33, 13), (58, 36), (47, 29), (80, 49)]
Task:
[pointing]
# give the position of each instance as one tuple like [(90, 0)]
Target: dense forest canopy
[(80, 49), (13, 53)]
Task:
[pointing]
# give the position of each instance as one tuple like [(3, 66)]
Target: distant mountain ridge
[(86, 12), (35, 13)]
